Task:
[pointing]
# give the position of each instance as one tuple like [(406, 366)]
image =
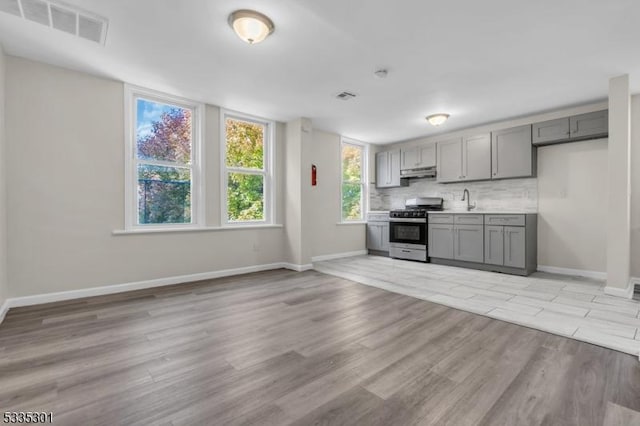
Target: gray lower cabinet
[(378, 236), (504, 243), (512, 154), (440, 240), (468, 243), (514, 246), (505, 246)]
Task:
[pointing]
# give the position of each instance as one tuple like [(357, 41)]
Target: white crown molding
[(574, 272), (338, 255)]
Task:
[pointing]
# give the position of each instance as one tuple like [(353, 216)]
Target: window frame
[(268, 171), (364, 179), (132, 94)]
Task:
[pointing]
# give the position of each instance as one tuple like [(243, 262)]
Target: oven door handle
[(407, 220)]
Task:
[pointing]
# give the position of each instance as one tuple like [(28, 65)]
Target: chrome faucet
[(466, 196)]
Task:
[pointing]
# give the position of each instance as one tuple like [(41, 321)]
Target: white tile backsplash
[(495, 195)]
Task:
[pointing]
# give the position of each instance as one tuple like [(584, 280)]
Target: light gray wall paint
[(66, 184), (635, 186), (323, 207), (4, 291), (572, 206)]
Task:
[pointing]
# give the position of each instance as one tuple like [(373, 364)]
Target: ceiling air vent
[(59, 16), (345, 96)]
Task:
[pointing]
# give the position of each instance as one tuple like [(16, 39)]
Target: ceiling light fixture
[(251, 26), (437, 119)]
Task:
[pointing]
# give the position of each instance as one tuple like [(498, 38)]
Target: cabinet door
[(590, 125), (469, 243), (440, 241), (382, 170), (449, 167), (384, 237), (476, 157), (512, 153), (514, 246), (494, 245), (410, 158), (394, 168), (427, 157), (551, 131), (373, 236)]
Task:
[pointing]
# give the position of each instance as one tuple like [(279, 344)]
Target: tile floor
[(568, 306)]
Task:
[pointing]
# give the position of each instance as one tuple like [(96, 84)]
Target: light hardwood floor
[(281, 347)]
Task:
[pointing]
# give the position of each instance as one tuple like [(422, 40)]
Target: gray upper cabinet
[(591, 125), (552, 131), (449, 167), (418, 157), (476, 157), (512, 154), (463, 159), (468, 243), (571, 129), (388, 169)]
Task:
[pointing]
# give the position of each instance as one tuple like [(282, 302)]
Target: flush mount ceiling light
[(437, 119), (251, 26)]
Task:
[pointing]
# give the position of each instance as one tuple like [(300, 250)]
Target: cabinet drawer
[(504, 219), (468, 219), (441, 218)]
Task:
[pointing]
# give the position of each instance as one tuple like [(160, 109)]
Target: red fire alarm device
[(314, 173)]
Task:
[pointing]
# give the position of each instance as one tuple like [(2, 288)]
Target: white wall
[(4, 291), (635, 186), (326, 235), (572, 205), (66, 184)]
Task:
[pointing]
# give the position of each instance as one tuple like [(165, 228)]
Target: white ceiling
[(480, 61)]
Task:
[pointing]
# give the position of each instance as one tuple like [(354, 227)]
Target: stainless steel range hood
[(425, 172)]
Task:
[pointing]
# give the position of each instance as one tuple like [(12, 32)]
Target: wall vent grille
[(59, 16), (345, 96)]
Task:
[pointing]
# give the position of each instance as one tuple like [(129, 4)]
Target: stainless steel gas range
[(408, 228)]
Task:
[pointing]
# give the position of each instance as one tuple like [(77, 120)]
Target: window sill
[(194, 229), (355, 222)]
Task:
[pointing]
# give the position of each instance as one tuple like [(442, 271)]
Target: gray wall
[(66, 184), (635, 186), (4, 291)]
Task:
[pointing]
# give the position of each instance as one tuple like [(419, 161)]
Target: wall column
[(297, 154), (619, 197)]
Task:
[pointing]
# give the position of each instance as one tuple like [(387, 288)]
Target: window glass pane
[(351, 163), (351, 201), (163, 132), (164, 194), (245, 144), (245, 197)]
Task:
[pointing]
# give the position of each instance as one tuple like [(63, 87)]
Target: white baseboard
[(575, 272), (297, 268), (627, 293), (338, 255), (4, 308), (139, 285)]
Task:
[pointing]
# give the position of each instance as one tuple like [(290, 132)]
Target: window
[(163, 180), (246, 164), (353, 158)]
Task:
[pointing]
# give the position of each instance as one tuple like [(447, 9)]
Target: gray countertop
[(481, 212)]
